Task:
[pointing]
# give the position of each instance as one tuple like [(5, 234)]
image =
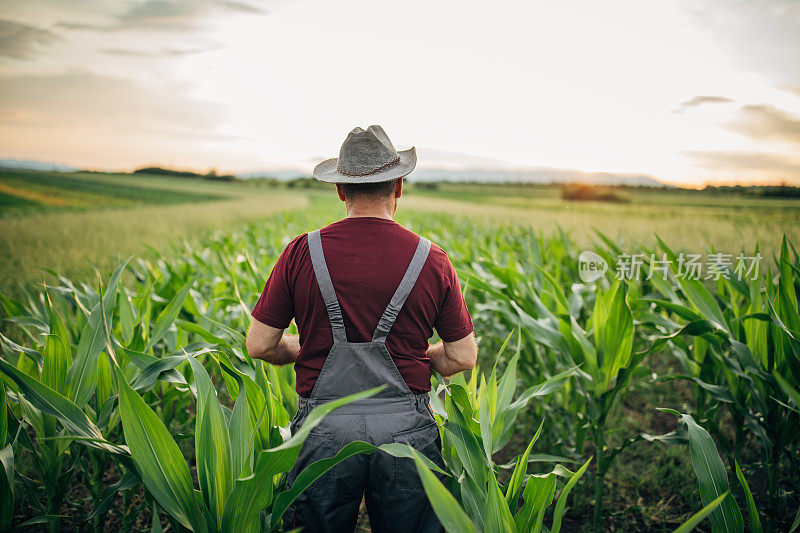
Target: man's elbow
[(471, 358), (468, 354), (256, 348)]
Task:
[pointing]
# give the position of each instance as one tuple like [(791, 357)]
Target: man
[(366, 294)]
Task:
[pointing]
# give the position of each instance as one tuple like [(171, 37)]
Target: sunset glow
[(686, 92)]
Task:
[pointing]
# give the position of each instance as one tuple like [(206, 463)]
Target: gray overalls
[(393, 491)]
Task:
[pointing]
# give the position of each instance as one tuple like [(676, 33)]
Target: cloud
[(767, 122), (101, 121), (21, 41), (166, 51), (760, 164), (700, 100), (87, 103), (170, 15), (760, 35), (450, 159)]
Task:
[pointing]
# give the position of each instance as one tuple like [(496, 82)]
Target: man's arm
[(449, 358), (271, 344)]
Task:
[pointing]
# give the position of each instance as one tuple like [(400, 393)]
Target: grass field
[(693, 220), (711, 351), (74, 223), (31, 191), (71, 223)]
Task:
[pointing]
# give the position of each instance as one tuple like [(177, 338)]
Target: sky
[(689, 92)]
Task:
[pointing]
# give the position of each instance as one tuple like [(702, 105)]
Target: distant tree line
[(210, 175), (771, 191), (569, 191)]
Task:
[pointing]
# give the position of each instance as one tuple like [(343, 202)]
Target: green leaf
[(159, 369), (549, 386), (558, 513), (508, 382), (241, 430), (613, 333), (168, 315), (3, 415), (6, 486), (697, 294), (712, 478), (498, 517), (127, 317), (160, 462), (755, 521), (212, 444), (447, 509), (469, 450), (487, 400), (50, 402), (517, 476), (56, 355), (796, 522), (698, 517), (537, 497), (313, 471), (82, 374), (254, 493), (128, 481)]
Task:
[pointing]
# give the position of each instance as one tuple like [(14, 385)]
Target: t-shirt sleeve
[(453, 322), (275, 306)]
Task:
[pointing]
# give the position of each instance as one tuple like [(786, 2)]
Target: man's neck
[(371, 210)]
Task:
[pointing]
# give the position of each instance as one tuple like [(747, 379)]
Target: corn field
[(130, 402)]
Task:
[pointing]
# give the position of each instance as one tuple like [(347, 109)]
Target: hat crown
[(366, 151)]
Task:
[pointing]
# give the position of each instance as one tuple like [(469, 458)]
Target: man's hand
[(449, 358), (271, 344)]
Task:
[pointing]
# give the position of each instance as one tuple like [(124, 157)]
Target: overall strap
[(326, 287), (403, 290)]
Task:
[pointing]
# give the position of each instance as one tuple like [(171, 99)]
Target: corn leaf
[(160, 462), (82, 374), (251, 494), (561, 503), (168, 315), (498, 517), (517, 476), (50, 402), (755, 521), (6, 485), (699, 516), (712, 478), (450, 514), (215, 471), (537, 496), (241, 430), (313, 471)]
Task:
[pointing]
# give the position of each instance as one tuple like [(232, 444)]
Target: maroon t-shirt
[(367, 258)]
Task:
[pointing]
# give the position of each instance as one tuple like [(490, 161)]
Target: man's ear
[(398, 188), (340, 192)]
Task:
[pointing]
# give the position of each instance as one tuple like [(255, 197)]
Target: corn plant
[(745, 362), (73, 378), (236, 484), (157, 331), (476, 422), (712, 477), (238, 479), (604, 351)]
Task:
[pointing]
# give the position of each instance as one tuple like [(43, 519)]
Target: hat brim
[(327, 172)]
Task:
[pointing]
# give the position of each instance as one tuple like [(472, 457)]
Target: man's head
[(369, 171)]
